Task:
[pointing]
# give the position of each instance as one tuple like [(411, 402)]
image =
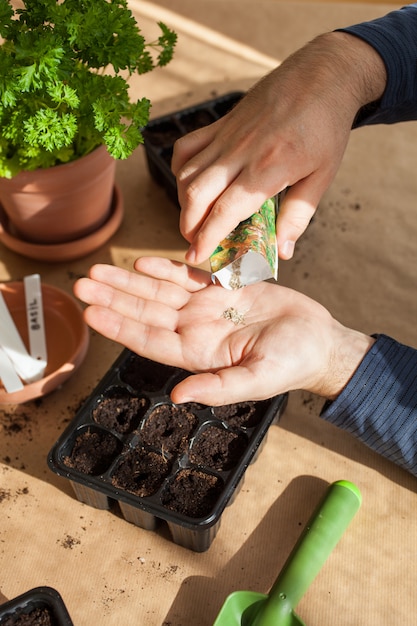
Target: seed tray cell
[(161, 133), (130, 446), (40, 603)]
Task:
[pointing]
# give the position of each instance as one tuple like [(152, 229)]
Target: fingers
[(193, 143), (220, 197), (296, 210), (188, 278), (201, 184), (200, 197), (148, 340), (193, 154), (131, 308), (108, 285), (235, 384), (126, 305), (223, 218)]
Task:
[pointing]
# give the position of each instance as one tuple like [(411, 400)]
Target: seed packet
[(249, 253)]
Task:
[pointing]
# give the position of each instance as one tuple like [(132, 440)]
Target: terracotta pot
[(62, 203)]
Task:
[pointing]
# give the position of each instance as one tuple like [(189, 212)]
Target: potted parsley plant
[(65, 103)]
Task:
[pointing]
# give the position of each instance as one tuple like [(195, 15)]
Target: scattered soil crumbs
[(6, 494), (218, 448), (121, 414), (145, 375), (68, 543), (168, 428), (93, 452), (192, 493), (141, 472), (37, 617), (15, 423), (241, 414)]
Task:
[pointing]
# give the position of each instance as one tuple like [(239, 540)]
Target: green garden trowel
[(323, 531)]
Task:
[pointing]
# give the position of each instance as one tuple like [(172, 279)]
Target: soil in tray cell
[(121, 412), (197, 119), (169, 428), (37, 617), (193, 493), (145, 375), (166, 155), (93, 452), (224, 106), (141, 472), (242, 414), (162, 134), (218, 448)]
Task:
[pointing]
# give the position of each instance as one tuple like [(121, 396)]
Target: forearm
[(348, 351), (338, 68), (379, 403)]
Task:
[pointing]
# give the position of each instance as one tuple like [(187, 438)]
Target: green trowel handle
[(323, 531)]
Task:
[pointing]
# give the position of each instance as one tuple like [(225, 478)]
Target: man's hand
[(251, 343), (289, 131)]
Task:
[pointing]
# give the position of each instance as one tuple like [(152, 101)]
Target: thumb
[(295, 212), (232, 384)]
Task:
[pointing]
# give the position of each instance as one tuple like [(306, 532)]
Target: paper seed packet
[(249, 254)]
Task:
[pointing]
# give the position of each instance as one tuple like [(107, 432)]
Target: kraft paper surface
[(358, 258)]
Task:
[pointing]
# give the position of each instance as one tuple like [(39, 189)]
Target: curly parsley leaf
[(64, 86), (50, 130)]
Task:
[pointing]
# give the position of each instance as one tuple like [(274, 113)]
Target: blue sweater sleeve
[(379, 404), (394, 37)]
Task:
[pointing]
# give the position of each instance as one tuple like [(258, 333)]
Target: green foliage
[(64, 81)]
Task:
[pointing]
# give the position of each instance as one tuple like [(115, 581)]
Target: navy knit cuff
[(394, 37), (379, 404)]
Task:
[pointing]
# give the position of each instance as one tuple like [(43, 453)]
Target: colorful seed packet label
[(249, 254)]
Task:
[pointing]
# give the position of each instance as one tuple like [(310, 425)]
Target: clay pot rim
[(29, 177), (70, 250), (71, 316)]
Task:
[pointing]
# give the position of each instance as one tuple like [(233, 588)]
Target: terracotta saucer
[(64, 251), (67, 338)]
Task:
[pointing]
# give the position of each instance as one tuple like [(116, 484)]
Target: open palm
[(171, 313)]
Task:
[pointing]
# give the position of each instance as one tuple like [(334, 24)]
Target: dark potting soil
[(166, 155), (93, 452), (121, 413), (164, 134), (197, 119), (168, 431), (168, 428), (145, 375), (141, 472), (193, 493), (242, 414), (37, 617), (218, 448)]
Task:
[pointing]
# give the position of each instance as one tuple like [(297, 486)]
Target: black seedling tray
[(129, 406), (40, 598), (161, 133)]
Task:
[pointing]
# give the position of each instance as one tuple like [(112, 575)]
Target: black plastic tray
[(38, 598), (154, 382), (161, 133)]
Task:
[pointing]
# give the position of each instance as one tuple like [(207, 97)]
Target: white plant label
[(35, 318)]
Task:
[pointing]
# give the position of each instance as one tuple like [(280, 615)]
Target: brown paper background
[(358, 258)]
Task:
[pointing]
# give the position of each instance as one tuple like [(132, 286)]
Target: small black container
[(161, 133), (28, 604), (153, 453)]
